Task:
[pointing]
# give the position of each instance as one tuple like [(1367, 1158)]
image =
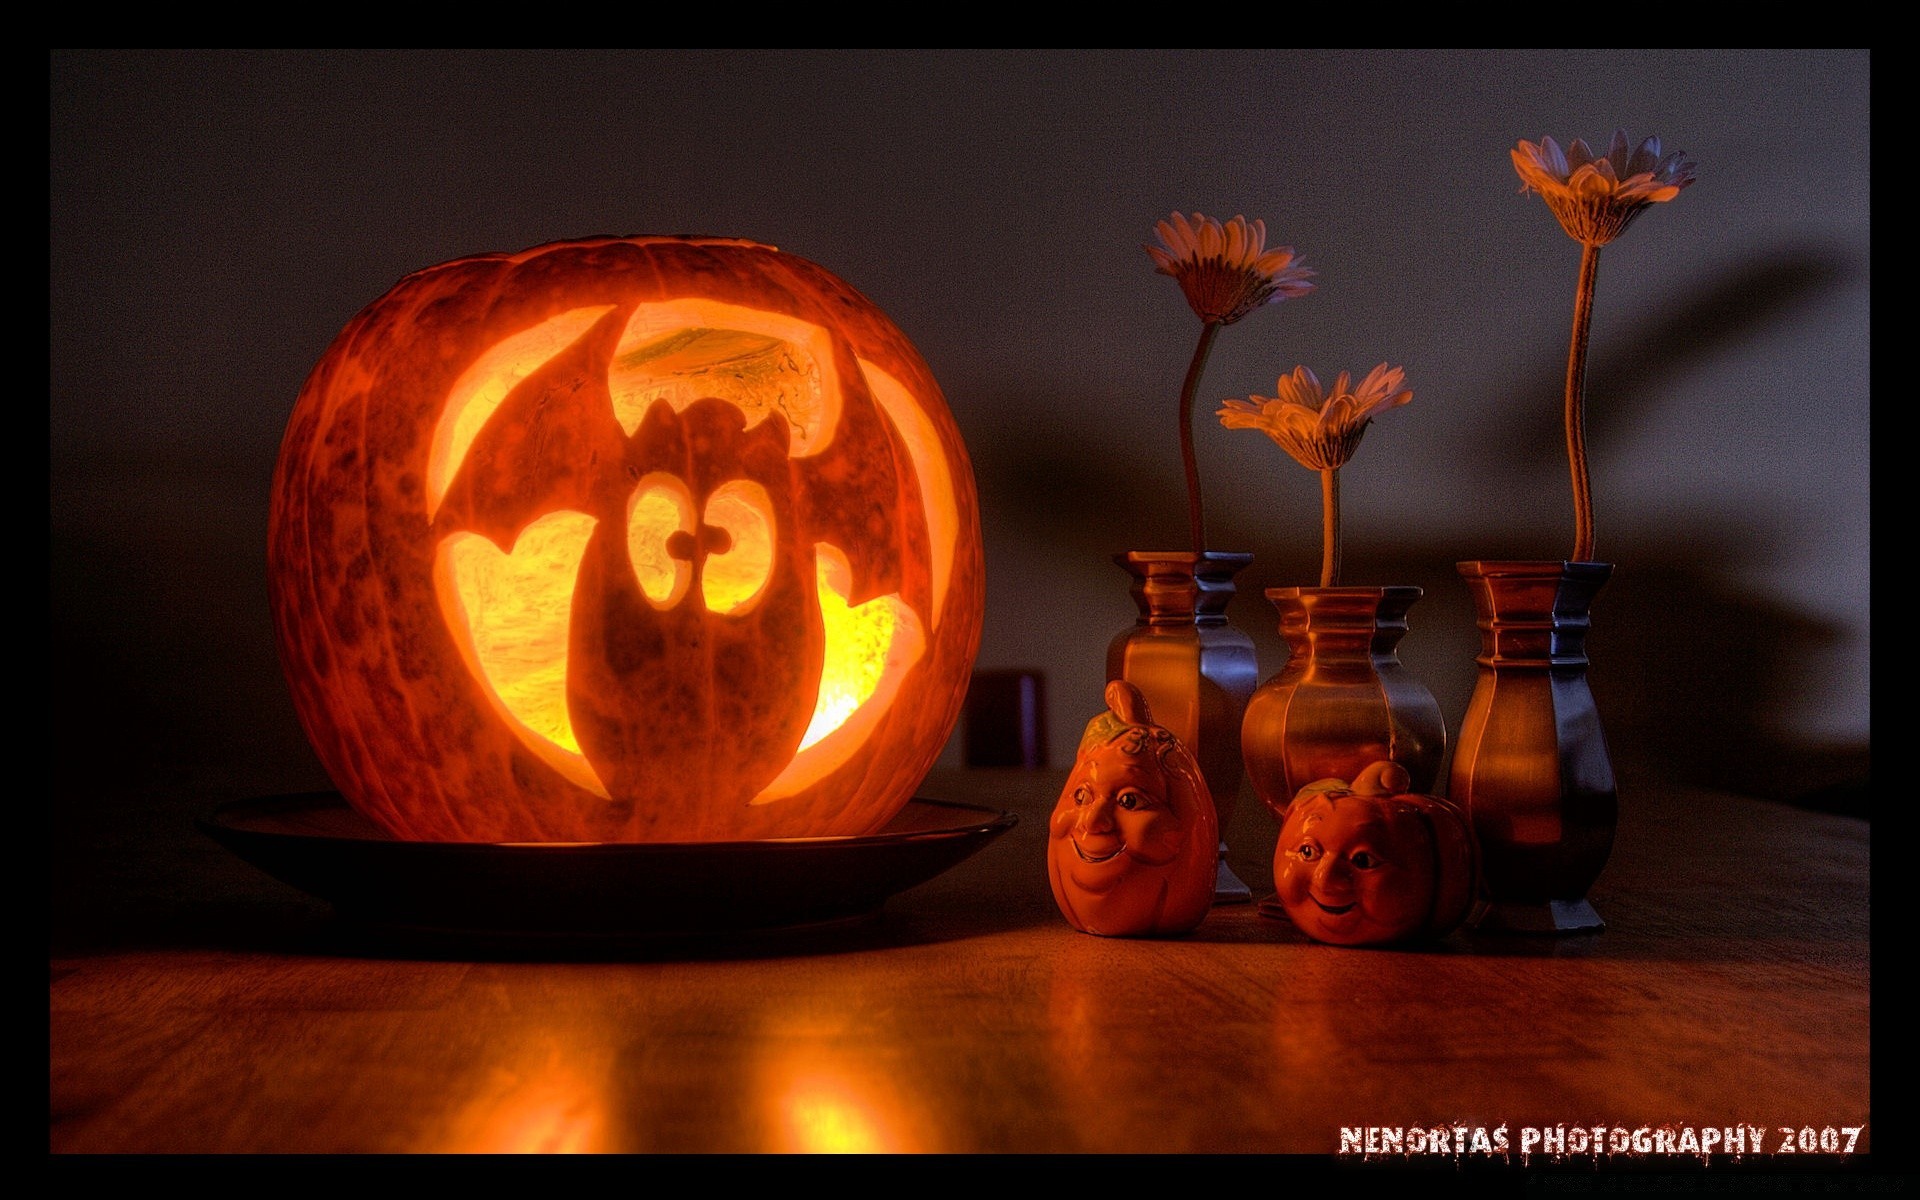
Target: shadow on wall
[(1628, 370), (1701, 678), (1694, 678), (1694, 681)]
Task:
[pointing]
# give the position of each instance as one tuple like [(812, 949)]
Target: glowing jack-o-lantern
[(1368, 862), (636, 539)]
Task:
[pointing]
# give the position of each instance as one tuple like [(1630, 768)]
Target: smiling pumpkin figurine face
[(1133, 840), (1369, 863)]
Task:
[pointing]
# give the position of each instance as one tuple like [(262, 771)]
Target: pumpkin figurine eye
[(1372, 863), (1133, 842)]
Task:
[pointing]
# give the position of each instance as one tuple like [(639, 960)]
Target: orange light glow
[(514, 609), (482, 386), (659, 508), (512, 615), (826, 1089), (823, 1115), (764, 363), (922, 440), (732, 579), (633, 450), (869, 649), (543, 1101)]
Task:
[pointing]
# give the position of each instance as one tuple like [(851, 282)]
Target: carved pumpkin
[(1134, 837), (635, 539), (1370, 863)]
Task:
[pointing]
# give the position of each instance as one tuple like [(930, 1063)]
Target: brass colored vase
[(1532, 769), (1195, 670), (1344, 700)]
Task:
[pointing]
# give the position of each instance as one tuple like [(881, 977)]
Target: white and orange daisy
[(1226, 270), (1320, 427), (1595, 196)]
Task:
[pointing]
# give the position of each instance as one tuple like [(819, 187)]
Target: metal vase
[(1196, 671), (1531, 769), (1344, 700)]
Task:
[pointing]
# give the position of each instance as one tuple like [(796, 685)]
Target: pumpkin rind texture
[(1370, 863), (625, 539)]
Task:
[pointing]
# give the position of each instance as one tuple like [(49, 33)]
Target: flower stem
[(1330, 528), (1196, 515), (1577, 403)]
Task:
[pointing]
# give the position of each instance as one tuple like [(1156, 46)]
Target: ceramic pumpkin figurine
[(625, 539), (1133, 840), (1368, 863)]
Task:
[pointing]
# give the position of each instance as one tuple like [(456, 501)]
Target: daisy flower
[(1321, 428), (1225, 271), (1597, 196)]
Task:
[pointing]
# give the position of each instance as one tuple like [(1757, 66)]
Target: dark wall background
[(216, 217)]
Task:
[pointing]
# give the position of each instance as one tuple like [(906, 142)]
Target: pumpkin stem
[(1126, 702)]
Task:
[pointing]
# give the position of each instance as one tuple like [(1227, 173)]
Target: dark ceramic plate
[(317, 843)]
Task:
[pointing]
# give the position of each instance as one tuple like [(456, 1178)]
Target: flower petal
[(1209, 235), (1236, 239), (1676, 168), (1553, 159), (1225, 270), (1618, 151), (1645, 157), (1301, 387), (1596, 197)]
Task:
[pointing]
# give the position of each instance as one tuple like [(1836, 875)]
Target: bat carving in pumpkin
[(699, 538), (694, 546)]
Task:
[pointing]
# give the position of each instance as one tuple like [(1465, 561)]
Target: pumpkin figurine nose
[(1096, 816), (1332, 876)]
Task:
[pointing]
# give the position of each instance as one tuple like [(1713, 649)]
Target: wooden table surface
[(198, 1006)]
